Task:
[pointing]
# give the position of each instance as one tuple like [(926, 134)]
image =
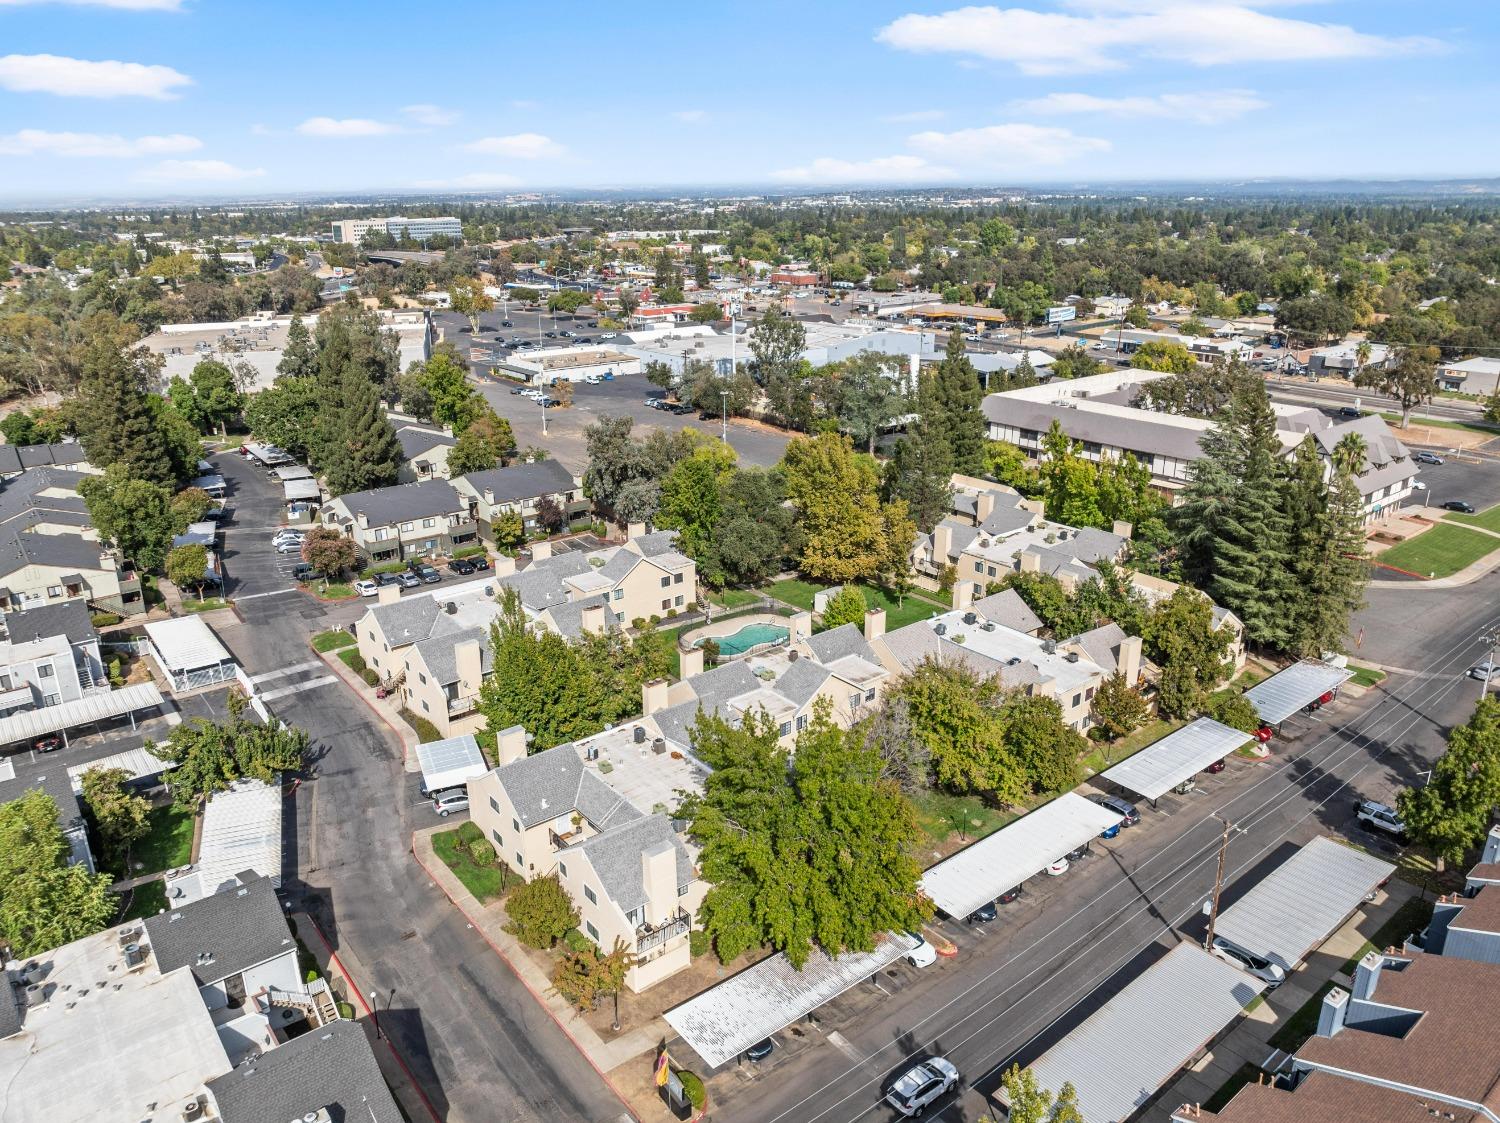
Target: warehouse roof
[(1001, 861), (1163, 764), (1286, 692)]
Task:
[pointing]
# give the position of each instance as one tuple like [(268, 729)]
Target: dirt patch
[(1435, 436)]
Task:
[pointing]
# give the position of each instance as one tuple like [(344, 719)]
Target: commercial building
[(1203, 348), (353, 230), (1471, 376), (571, 363), (1344, 358), (825, 343)]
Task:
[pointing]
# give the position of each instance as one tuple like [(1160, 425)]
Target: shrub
[(693, 1089), (482, 851), (1235, 711), (371, 676), (577, 941), (468, 552), (699, 943), (540, 912), (639, 623), (310, 975), (353, 660), (671, 614), (847, 606), (104, 619), (346, 1011), (423, 728)]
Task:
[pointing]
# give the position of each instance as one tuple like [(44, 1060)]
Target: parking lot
[(252, 567)]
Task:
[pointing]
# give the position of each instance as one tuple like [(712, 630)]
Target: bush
[(482, 851), (693, 1089), (540, 912), (105, 619), (310, 975), (371, 677), (847, 606), (423, 728), (383, 567), (577, 941), (671, 614), (468, 552), (346, 1011), (354, 661), (117, 671), (1235, 711), (699, 943)]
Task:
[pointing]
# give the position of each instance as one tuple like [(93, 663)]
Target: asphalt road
[(1341, 394), (1057, 954), (479, 1045)]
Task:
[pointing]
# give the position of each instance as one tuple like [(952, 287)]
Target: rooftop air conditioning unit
[(640, 734), (793, 655), (1049, 646), (989, 625), (1072, 657), (659, 745), (970, 617), (941, 629), (135, 956), (192, 1110)]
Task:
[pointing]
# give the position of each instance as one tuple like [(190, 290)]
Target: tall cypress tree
[(1332, 571), (920, 470), (957, 396), (114, 417), (299, 358), (362, 448)]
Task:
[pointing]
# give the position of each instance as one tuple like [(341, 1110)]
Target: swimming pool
[(751, 635)]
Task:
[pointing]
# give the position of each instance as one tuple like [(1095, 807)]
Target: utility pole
[(1213, 911), (1493, 639)]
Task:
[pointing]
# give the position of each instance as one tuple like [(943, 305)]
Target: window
[(45, 670), (407, 526), (515, 826), (591, 930), (979, 567), (990, 571), (786, 729), (665, 581), (677, 579), (801, 722), (677, 601), (666, 604), (423, 677), (496, 836), (1077, 698), (520, 863), (620, 595), (426, 707), (51, 699), (854, 700), (429, 522), (1089, 693), (870, 695), (589, 896), (636, 917), (494, 804), (562, 868)]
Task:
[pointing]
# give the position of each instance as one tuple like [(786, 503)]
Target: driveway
[(252, 567)]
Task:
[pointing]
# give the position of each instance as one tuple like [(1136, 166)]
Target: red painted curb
[(360, 994), (521, 979)]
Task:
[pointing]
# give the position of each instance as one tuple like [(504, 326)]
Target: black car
[(461, 565), (760, 1050), (424, 571), (1129, 816), (984, 913), (303, 572), (550, 334), (480, 563), (505, 324), (1350, 411), (387, 579), (1080, 854), (1459, 505)]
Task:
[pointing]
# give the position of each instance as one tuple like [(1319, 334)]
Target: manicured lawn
[(170, 844), (1489, 518), (336, 591), (1441, 551), (1461, 426), (1292, 1034), (145, 900), (1366, 676), (1153, 730), (486, 881), (1245, 1074), (352, 659), (734, 598), (917, 606), (332, 640), (206, 605), (940, 815)]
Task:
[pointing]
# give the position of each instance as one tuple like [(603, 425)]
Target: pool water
[(751, 635)]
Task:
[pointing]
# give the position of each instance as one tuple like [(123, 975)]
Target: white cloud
[(477, 181), (433, 115), (345, 127), (882, 169), (518, 146), (198, 171), (915, 117), (74, 77), (691, 116), (40, 142), (1011, 147), (123, 5), (1205, 107), (1106, 34)]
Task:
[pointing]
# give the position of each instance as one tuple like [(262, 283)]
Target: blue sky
[(152, 98)]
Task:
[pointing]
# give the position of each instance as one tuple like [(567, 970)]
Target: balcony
[(458, 706), (648, 938)]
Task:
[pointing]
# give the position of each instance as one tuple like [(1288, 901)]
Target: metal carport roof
[(722, 1022), (1294, 908), (448, 763), (1286, 692), (1163, 764), (1001, 861), (84, 711), (295, 490), (186, 644), (241, 831), (1121, 1056), (137, 764)]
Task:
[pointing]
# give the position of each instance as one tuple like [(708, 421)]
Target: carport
[(722, 1022), (189, 654), (1180, 755), (241, 831), (1121, 1056), (1003, 860), (88, 710), (268, 455), (137, 764), (449, 763), (1294, 688), (1294, 908), (303, 490), (293, 472)]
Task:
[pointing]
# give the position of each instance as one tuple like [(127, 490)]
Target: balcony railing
[(648, 937), (461, 705)]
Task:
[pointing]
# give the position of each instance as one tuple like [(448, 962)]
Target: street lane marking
[(297, 688), (310, 665), (843, 1045), (272, 593)]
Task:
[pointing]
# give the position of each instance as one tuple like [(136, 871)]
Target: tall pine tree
[(957, 396), (299, 358), (115, 420), (362, 450), (920, 470)]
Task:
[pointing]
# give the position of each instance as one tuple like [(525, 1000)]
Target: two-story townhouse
[(15, 459), (1386, 471), (70, 619), (645, 577), (1017, 540), (37, 569), (580, 812), (521, 489), (424, 453), (415, 520)]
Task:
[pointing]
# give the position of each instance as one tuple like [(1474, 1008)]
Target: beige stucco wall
[(527, 851)]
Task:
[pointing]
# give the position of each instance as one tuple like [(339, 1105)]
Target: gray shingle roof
[(17, 458), (1009, 610), (1055, 562), (616, 858), (412, 619), (911, 645), (62, 550), (22, 496), (1090, 544), (332, 1068), (846, 639), (415, 441), (1007, 520), (1102, 645), (404, 502), (66, 618), (801, 681), (657, 542), (53, 780), (540, 584), (230, 931), (567, 618), (1141, 432), (441, 656), (522, 481), (555, 783)]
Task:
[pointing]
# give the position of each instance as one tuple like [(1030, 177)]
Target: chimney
[(591, 619), (362, 519), (799, 625), (1031, 562), (1367, 974), (659, 880), (489, 496), (1122, 528), (388, 594), (653, 696), (874, 623), (1331, 1014), (635, 530), (468, 659), (942, 544), (505, 565), (510, 744), (541, 551), (984, 506), (1130, 659), (692, 662), (1491, 846), (963, 594)]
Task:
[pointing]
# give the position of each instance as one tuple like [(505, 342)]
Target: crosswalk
[(293, 672)]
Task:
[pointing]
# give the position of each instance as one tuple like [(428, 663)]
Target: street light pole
[(724, 403), (1213, 912)]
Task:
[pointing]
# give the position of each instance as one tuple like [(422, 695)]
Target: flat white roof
[(1121, 1056), (1163, 764), (241, 831), (1286, 692), (725, 1020), (137, 762), (84, 711), (186, 644), (1294, 908), (1001, 861), (1006, 644), (301, 488), (448, 763)]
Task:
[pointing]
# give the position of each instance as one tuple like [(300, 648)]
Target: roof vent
[(793, 655), (940, 629), (192, 1110), (450, 608), (1072, 657), (659, 745), (639, 734), (989, 625), (1049, 646)]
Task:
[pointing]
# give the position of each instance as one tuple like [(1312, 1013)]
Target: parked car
[(287, 535), (428, 575), (289, 546), (1427, 458), (302, 571), (514, 390), (680, 408), (592, 379), (1263, 734), (48, 744), (1080, 854), (916, 1089), (1257, 965), (1058, 868), (1010, 895), (1459, 505), (1380, 817), (760, 1050), (449, 800), (480, 563), (366, 588), (1215, 768), (1349, 411), (384, 579), (506, 324), (407, 580), (983, 914), (1129, 816), (461, 565), (1485, 670), (924, 954)]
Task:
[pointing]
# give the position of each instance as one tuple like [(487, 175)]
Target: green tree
[(777, 342), (361, 451), (487, 442), (189, 506), (1235, 711), (706, 313), (540, 912), (328, 551), (955, 396), (1180, 638), (18, 428), (187, 567), (955, 714), (757, 534), (207, 757), (847, 606), (804, 849), (209, 398), (1160, 355), (135, 514), (1041, 742), (1028, 1102), (444, 376), (115, 420), (299, 358), (1315, 318), (1075, 362), (870, 398), (1136, 317), (467, 297), (44, 902), (122, 817), (834, 490), (691, 503), (1119, 709), (1450, 814), (1411, 380), (287, 414)]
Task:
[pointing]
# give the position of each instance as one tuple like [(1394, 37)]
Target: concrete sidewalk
[(1249, 1042)]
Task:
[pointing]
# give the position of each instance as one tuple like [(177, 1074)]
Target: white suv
[(919, 1086), (1379, 817)]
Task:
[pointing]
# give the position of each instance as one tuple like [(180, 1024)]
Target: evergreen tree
[(299, 358), (957, 396), (1330, 561), (362, 450), (920, 470), (114, 416)]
